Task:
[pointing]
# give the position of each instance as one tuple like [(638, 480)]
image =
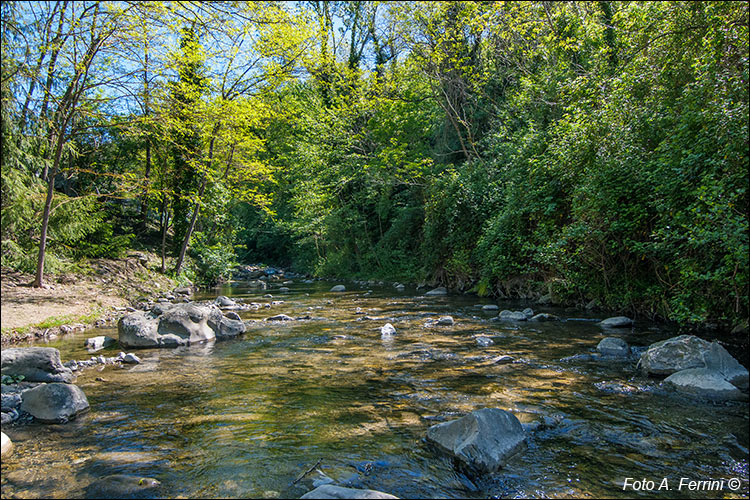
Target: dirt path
[(74, 298)]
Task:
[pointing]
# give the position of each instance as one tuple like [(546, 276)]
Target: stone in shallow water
[(338, 288), (512, 315), (54, 402), (36, 364), (280, 317), (99, 342), (332, 491), (617, 322), (123, 486), (387, 330), (445, 320), (612, 346), (441, 290), (482, 441), (704, 383), (6, 445)]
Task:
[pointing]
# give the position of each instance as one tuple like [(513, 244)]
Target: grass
[(53, 322)]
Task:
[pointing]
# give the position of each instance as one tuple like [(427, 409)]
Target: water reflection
[(244, 417)]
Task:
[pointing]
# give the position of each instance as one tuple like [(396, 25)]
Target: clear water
[(245, 418)]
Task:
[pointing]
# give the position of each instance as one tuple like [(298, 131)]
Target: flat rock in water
[(332, 491), (704, 383), (123, 486), (54, 402), (338, 288), (490, 307), (36, 364), (280, 317), (544, 317), (512, 315), (482, 441), (441, 290), (617, 322)]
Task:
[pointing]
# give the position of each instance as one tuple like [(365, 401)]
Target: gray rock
[(10, 401), (490, 307), (400, 287), (674, 354), (441, 290), (185, 290), (717, 358), (123, 486), (617, 322), (54, 402), (36, 364), (481, 441), (501, 360), (484, 341), (224, 301), (131, 358), (445, 320), (512, 315), (233, 315), (280, 317), (332, 491), (338, 288), (99, 342), (528, 312), (544, 317), (6, 446), (387, 330), (704, 383), (612, 346), (180, 324)]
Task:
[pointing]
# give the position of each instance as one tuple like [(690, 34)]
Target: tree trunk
[(38, 281)]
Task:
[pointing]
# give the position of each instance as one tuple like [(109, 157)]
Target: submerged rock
[(280, 317), (612, 346), (617, 322), (54, 402), (441, 290), (35, 364), (332, 491), (704, 383), (482, 441), (123, 486), (544, 317)]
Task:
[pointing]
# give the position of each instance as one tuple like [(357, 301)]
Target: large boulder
[(481, 441), (180, 324), (36, 364), (54, 402), (332, 491), (704, 383), (688, 351)]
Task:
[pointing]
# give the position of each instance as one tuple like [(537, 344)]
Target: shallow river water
[(245, 418)]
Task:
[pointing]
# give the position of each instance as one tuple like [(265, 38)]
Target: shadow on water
[(246, 417)]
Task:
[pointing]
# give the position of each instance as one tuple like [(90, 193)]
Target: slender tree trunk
[(189, 233), (38, 281)]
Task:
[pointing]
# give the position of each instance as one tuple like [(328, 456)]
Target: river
[(245, 418)]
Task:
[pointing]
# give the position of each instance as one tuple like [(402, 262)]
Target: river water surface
[(245, 418)]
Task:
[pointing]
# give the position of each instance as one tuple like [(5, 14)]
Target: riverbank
[(73, 302)]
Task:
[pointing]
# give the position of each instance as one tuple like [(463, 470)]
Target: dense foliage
[(578, 150)]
